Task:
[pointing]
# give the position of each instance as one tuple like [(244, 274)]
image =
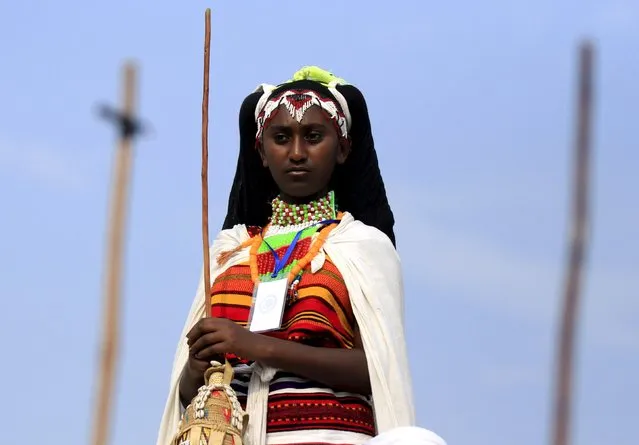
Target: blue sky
[(472, 110)]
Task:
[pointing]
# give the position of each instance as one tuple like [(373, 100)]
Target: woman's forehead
[(312, 115)]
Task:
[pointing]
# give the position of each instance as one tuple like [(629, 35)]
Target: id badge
[(269, 301)]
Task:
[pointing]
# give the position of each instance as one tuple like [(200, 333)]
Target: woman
[(307, 299)]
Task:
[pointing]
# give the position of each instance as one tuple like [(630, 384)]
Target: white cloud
[(465, 264), (42, 163)]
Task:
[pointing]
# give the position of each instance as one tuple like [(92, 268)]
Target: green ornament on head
[(317, 74)]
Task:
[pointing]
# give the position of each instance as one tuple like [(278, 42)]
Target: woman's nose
[(298, 151)]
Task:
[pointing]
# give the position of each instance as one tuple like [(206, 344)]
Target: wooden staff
[(205, 163), (115, 246), (576, 252)]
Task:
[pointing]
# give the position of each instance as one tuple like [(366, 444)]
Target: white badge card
[(269, 301)]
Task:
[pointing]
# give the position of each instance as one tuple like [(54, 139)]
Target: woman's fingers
[(204, 342), (197, 331), (199, 366), (202, 327), (211, 353)]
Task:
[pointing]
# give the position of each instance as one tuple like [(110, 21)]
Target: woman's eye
[(280, 138), (314, 137)]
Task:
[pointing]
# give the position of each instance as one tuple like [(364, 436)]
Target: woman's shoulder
[(354, 244), (236, 235), (229, 246), (352, 230)]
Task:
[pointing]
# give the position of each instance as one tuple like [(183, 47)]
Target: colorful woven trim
[(279, 243)]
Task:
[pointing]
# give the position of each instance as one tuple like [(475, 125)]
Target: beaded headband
[(297, 102)]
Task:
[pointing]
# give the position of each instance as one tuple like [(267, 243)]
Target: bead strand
[(285, 214)]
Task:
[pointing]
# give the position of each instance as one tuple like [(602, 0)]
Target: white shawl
[(371, 270)]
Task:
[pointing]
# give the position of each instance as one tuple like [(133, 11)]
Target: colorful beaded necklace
[(285, 214), (287, 221)]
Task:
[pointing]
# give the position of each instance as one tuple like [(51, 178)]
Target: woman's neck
[(310, 210)]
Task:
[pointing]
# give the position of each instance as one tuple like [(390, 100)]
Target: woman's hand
[(340, 369), (211, 338)]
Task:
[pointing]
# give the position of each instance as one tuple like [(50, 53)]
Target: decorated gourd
[(214, 416)]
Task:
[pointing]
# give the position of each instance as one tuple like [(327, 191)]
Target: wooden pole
[(114, 261), (205, 164), (577, 245)]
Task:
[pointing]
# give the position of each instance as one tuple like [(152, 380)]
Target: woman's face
[(301, 156)]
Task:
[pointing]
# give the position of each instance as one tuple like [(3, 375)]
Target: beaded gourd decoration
[(214, 416)]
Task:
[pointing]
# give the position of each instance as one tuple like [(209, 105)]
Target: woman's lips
[(297, 172)]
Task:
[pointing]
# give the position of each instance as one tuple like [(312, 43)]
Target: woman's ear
[(343, 150)]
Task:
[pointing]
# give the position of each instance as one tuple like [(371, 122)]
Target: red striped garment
[(301, 411)]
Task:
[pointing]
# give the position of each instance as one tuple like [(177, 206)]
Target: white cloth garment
[(407, 435), (371, 270)]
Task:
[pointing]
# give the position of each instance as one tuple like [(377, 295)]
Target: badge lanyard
[(280, 262), (269, 298)]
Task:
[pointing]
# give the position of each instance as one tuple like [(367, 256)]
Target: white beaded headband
[(297, 102)]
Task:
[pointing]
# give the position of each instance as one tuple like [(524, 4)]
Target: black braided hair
[(358, 184)]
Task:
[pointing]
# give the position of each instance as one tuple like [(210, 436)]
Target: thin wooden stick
[(113, 275), (576, 253), (205, 163)]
